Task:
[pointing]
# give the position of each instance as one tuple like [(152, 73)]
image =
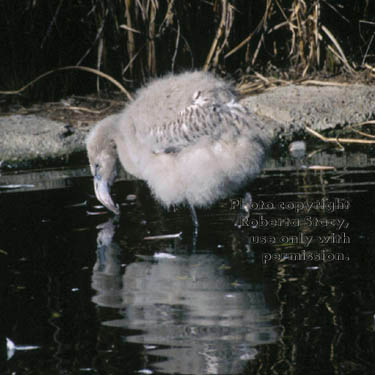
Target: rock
[(29, 140), (319, 107), (297, 149)]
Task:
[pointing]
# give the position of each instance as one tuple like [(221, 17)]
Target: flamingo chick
[(186, 135)]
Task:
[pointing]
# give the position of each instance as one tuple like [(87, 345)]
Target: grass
[(133, 40)]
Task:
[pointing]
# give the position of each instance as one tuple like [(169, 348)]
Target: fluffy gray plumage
[(186, 135)]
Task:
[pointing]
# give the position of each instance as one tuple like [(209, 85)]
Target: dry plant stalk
[(130, 35), (339, 53), (151, 62), (303, 22), (84, 68), (338, 140), (219, 33), (142, 38), (148, 24)]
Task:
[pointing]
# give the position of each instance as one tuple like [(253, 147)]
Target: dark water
[(290, 292)]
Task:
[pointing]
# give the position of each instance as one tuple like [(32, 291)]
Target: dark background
[(41, 35)]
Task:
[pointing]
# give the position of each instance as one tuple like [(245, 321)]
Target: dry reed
[(133, 40)]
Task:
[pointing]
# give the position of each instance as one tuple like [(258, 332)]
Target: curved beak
[(103, 194)]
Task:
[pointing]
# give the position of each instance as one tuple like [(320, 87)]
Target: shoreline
[(31, 140)]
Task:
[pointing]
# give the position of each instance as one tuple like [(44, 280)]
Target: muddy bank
[(319, 107), (32, 140)]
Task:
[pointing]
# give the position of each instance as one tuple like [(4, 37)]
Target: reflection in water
[(325, 309), (187, 310), (12, 347)]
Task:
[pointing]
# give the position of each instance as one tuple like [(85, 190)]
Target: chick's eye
[(96, 168)]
